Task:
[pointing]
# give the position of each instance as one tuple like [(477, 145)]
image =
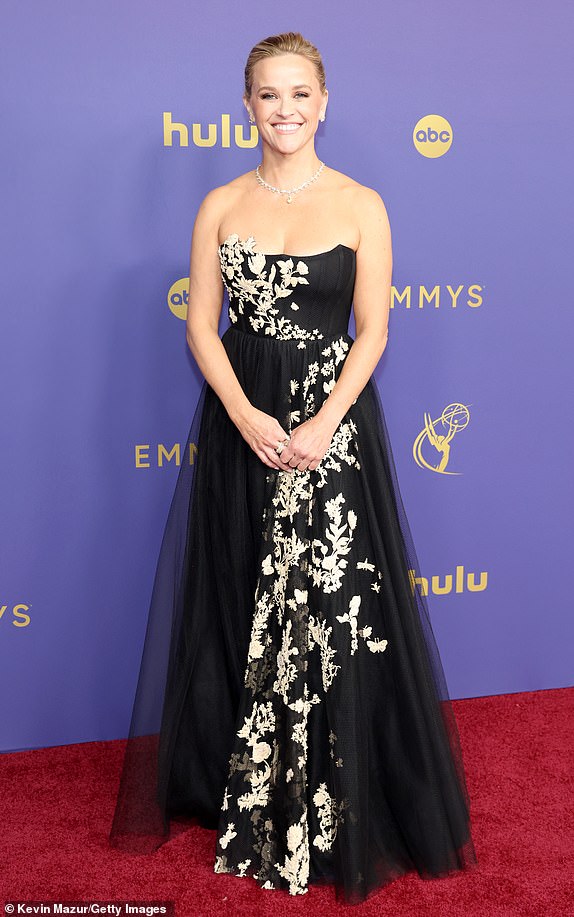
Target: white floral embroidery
[(263, 289), (293, 492), (319, 633), (296, 866), (286, 670), (329, 564), (329, 815), (337, 350), (338, 452), (255, 726), (303, 706), (351, 617), (229, 834), (258, 642)]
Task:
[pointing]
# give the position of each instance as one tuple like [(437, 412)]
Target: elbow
[(199, 332), (193, 330), (382, 332), (382, 339), (190, 339), (377, 338)]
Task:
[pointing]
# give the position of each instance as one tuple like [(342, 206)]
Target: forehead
[(284, 70)]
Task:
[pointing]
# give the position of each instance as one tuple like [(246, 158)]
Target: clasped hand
[(307, 443)]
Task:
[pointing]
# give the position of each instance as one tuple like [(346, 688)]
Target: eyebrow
[(299, 86)]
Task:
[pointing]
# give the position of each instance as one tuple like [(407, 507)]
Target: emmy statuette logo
[(438, 434)]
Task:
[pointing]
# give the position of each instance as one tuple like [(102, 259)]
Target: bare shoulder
[(343, 184), (362, 194), (214, 207), (218, 199), (374, 259), (372, 219), (366, 205)]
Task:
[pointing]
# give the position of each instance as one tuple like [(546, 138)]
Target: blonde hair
[(286, 43)]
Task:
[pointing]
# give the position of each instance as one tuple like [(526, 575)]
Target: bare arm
[(204, 309), (311, 439), (371, 306), (261, 431)]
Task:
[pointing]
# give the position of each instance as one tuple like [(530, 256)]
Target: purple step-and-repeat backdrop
[(118, 118)]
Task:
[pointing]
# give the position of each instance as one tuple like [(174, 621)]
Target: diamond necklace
[(289, 191)]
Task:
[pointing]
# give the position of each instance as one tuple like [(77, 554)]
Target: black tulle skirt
[(291, 694)]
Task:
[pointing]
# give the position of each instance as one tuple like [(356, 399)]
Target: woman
[(291, 694)]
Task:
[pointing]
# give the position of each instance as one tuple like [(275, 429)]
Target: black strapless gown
[(291, 694)]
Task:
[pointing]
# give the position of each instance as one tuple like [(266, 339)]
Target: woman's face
[(286, 101)]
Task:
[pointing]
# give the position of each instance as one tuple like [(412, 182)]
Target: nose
[(284, 108)]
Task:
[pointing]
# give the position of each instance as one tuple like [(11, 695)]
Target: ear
[(247, 106)]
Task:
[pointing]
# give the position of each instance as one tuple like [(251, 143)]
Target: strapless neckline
[(251, 239)]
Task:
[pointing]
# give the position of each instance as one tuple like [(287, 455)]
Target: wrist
[(240, 411), (330, 414)]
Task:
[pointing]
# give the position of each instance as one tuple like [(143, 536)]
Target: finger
[(277, 446), (267, 455), (276, 462), (284, 453), (287, 455)]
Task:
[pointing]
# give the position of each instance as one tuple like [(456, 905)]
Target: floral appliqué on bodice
[(255, 293)]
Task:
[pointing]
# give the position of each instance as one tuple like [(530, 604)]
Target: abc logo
[(432, 136), (178, 297)]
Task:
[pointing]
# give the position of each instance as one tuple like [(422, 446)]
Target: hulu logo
[(461, 581), (208, 134)]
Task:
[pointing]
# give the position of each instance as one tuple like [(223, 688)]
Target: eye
[(268, 95)]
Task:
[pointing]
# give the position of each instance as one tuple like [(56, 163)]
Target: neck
[(288, 170)]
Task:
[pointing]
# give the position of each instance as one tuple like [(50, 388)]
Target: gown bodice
[(288, 297)]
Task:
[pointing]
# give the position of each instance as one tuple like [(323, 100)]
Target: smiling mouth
[(286, 128)]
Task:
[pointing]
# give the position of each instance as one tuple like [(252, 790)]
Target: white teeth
[(286, 128)]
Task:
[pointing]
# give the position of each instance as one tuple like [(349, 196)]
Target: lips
[(286, 128)]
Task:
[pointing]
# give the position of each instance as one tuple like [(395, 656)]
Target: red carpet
[(518, 751)]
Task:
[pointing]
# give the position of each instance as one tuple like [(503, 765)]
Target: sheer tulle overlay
[(291, 695)]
